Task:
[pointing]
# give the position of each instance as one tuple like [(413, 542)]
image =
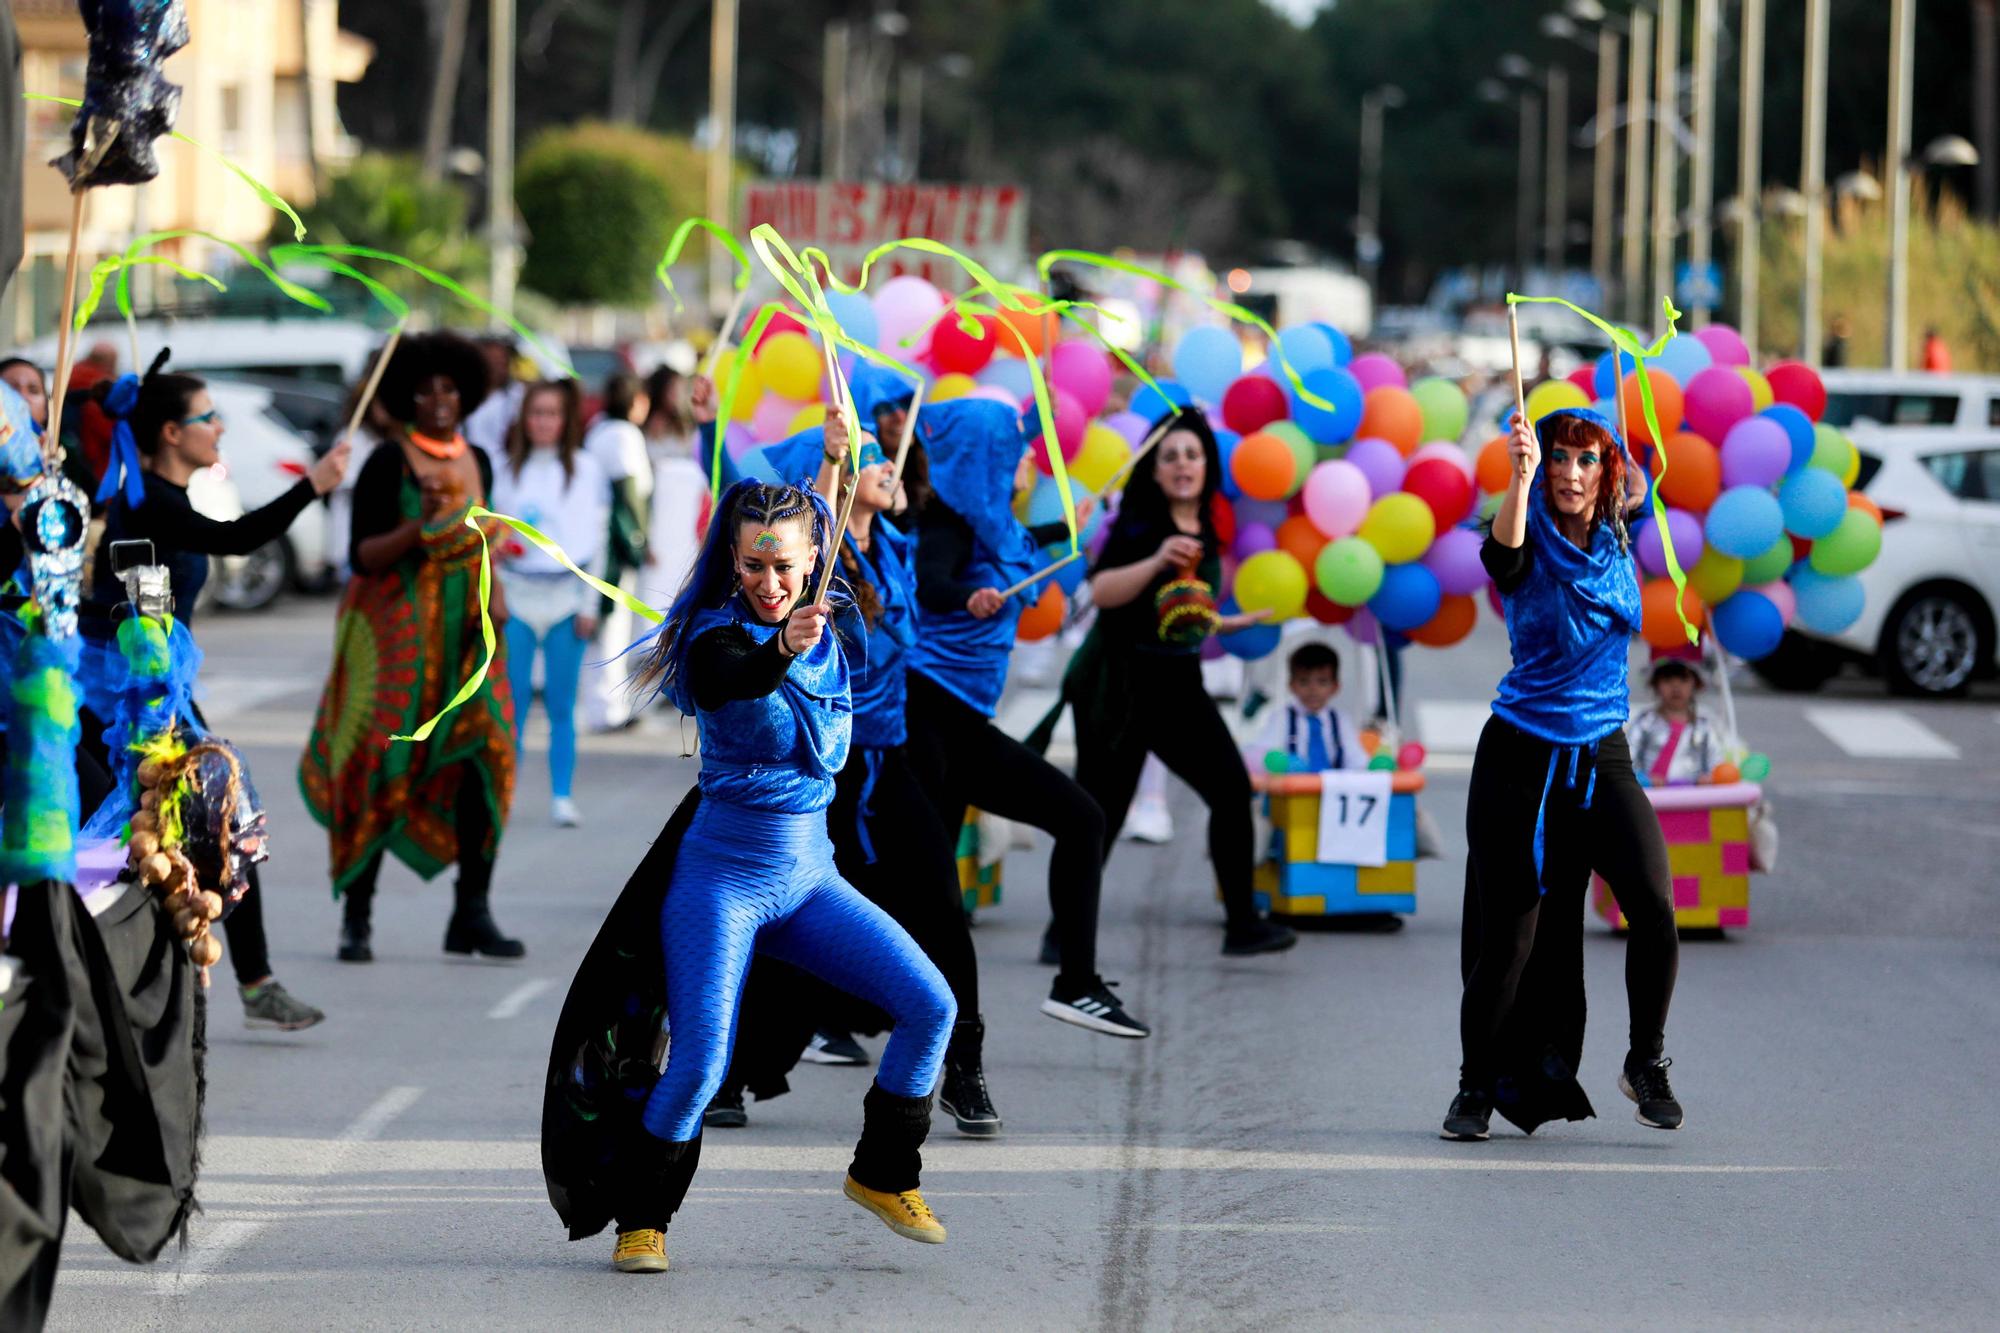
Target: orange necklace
[(443, 450)]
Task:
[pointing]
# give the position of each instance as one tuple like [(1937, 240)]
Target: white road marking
[(1451, 726), (1879, 733), (516, 1000)]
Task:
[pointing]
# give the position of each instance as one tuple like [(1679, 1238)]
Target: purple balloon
[(1725, 345), (1685, 529), (1454, 558), (1756, 452), (1253, 539), (1381, 462), (1130, 425), (1361, 626), (1374, 370), (1270, 513)]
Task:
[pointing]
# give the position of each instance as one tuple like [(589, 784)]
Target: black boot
[(355, 931), (472, 928), (889, 1156), (964, 1096)]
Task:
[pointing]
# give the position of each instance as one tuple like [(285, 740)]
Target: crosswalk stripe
[(1879, 733)]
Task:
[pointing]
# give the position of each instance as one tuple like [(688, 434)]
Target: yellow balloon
[(789, 366), (812, 414), (1853, 468), (748, 390), (1272, 581), (1761, 396), (951, 386), (1715, 576), (1550, 396), (1104, 452), (1400, 526)]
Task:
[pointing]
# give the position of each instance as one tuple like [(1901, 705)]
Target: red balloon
[(956, 352), (1801, 546), (1441, 484), (1800, 385), (1584, 377), (1252, 403), (1325, 610), (1224, 514), (782, 321)]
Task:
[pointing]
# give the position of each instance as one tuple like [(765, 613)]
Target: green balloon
[(1489, 508), (1383, 762), (1277, 761), (1755, 767), (1832, 451), (1444, 407), (1770, 566), (1849, 548), (1348, 571), (1304, 452)]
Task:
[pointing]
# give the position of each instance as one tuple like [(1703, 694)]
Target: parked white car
[(1929, 624), (1911, 400), (262, 458)]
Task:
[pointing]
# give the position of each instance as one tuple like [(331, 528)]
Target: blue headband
[(123, 467)]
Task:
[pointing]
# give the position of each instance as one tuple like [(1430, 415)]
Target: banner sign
[(848, 218)]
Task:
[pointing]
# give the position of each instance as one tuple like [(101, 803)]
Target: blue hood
[(974, 445), (876, 387)]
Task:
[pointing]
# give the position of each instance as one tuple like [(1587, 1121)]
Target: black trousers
[(962, 759), (243, 929), (1175, 719), (475, 871), (1511, 928)]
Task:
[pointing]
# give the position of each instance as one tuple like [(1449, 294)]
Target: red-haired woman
[(1553, 796)]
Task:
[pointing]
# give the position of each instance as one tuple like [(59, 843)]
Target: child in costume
[(1312, 734), (751, 871), (1672, 744)]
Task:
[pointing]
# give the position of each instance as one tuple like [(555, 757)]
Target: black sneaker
[(964, 1098), (355, 944), (1096, 1009), (1259, 936), (1645, 1082), (1051, 955), (726, 1111), (1471, 1111), (834, 1048)]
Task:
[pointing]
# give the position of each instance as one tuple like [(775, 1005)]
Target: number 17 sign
[(1354, 818)]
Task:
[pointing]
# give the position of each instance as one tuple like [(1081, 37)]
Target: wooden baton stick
[(1520, 393), (65, 342), (1131, 465), (909, 433), (374, 382), (722, 334), (1040, 574)]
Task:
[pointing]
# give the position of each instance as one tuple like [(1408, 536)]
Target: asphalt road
[(1268, 1160)]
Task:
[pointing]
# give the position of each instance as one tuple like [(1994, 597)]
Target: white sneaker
[(1149, 821), (563, 810)]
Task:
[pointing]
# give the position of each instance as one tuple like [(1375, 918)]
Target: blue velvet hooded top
[(876, 387), (974, 446), (780, 752), (1570, 624)]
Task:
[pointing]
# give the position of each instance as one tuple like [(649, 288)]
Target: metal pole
[(1902, 59), (1701, 181), (1555, 204), (1812, 182), (833, 113), (1666, 164), (1604, 173), (1750, 174), (1367, 241), (910, 118), (500, 155), (1524, 210), (722, 143), (1638, 100)]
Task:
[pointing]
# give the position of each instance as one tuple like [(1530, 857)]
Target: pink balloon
[(1782, 597), (1584, 377), (1454, 558), (1336, 497), (1374, 370), (1446, 450), (1071, 423), (1725, 345), (1717, 399), (1083, 371), (905, 305), (773, 418), (993, 393), (1381, 462)]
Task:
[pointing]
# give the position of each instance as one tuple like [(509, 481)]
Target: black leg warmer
[(657, 1182), (889, 1156)]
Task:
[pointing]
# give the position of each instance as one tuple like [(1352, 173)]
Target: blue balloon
[(1153, 404), (1009, 373), (1045, 502), (1070, 577), (1268, 512), (1604, 380), (1343, 350), (1342, 390), (1827, 604), (1813, 501), (1225, 445), (1250, 643), (1684, 358), (1744, 521), (1749, 624), (1207, 360), (1306, 349), (1798, 427), (1409, 596), (855, 314)]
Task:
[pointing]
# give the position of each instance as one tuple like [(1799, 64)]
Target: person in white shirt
[(547, 480), (619, 447), (1314, 736), (487, 426), (680, 487), (1672, 744)]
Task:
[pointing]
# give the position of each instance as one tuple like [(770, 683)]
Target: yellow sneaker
[(906, 1213), (640, 1252)]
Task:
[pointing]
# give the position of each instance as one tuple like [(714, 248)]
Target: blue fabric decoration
[(38, 788), (779, 753), (142, 686), (880, 683), (795, 460), (752, 881), (876, 387), (974, 446), (20, 442), (124, 464)]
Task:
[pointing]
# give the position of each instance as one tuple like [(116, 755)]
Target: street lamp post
[(1701, 180), (1812, 182), (1604, 172), (1902, 52), (1638, 98), (1367, 230), (1750, 172), (500, 239), (1666, 104), (722, 143), (1555, 206)]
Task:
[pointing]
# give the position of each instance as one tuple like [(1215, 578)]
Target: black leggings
[(1618, 836), (1174, 718), (962, 759), (475, 871)]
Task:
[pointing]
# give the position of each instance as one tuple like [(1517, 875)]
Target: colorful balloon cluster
[(1756, 490)]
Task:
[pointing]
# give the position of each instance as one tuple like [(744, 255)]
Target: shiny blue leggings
[(754, 881), (563, 654)]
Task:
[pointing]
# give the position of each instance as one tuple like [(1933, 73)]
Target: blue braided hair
[(712, 581)]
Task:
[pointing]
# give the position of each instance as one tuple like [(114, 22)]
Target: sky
[(1299, 11)]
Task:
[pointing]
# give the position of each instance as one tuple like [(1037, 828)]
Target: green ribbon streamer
[(397, 307), (1628, 342), (678, 242), (100, 276)]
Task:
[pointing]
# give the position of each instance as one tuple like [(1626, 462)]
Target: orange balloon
[(1371, 739), (1392, 414), (1658, 625), (1036, 330), (1725, 774), (1667, 404), (1856, 500), (1494, 467), (1264, 466), (1694, 472), (1452, 622), (1298, 536), (1045, 617)]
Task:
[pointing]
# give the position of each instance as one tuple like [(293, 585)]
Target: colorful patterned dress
[(405, 641)]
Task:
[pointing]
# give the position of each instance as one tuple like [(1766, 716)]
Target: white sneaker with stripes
[(1097, 1009)]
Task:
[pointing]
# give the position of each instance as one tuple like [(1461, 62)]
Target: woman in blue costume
[(1553, 797), (887, 840), (748, 869), (970, 549)]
